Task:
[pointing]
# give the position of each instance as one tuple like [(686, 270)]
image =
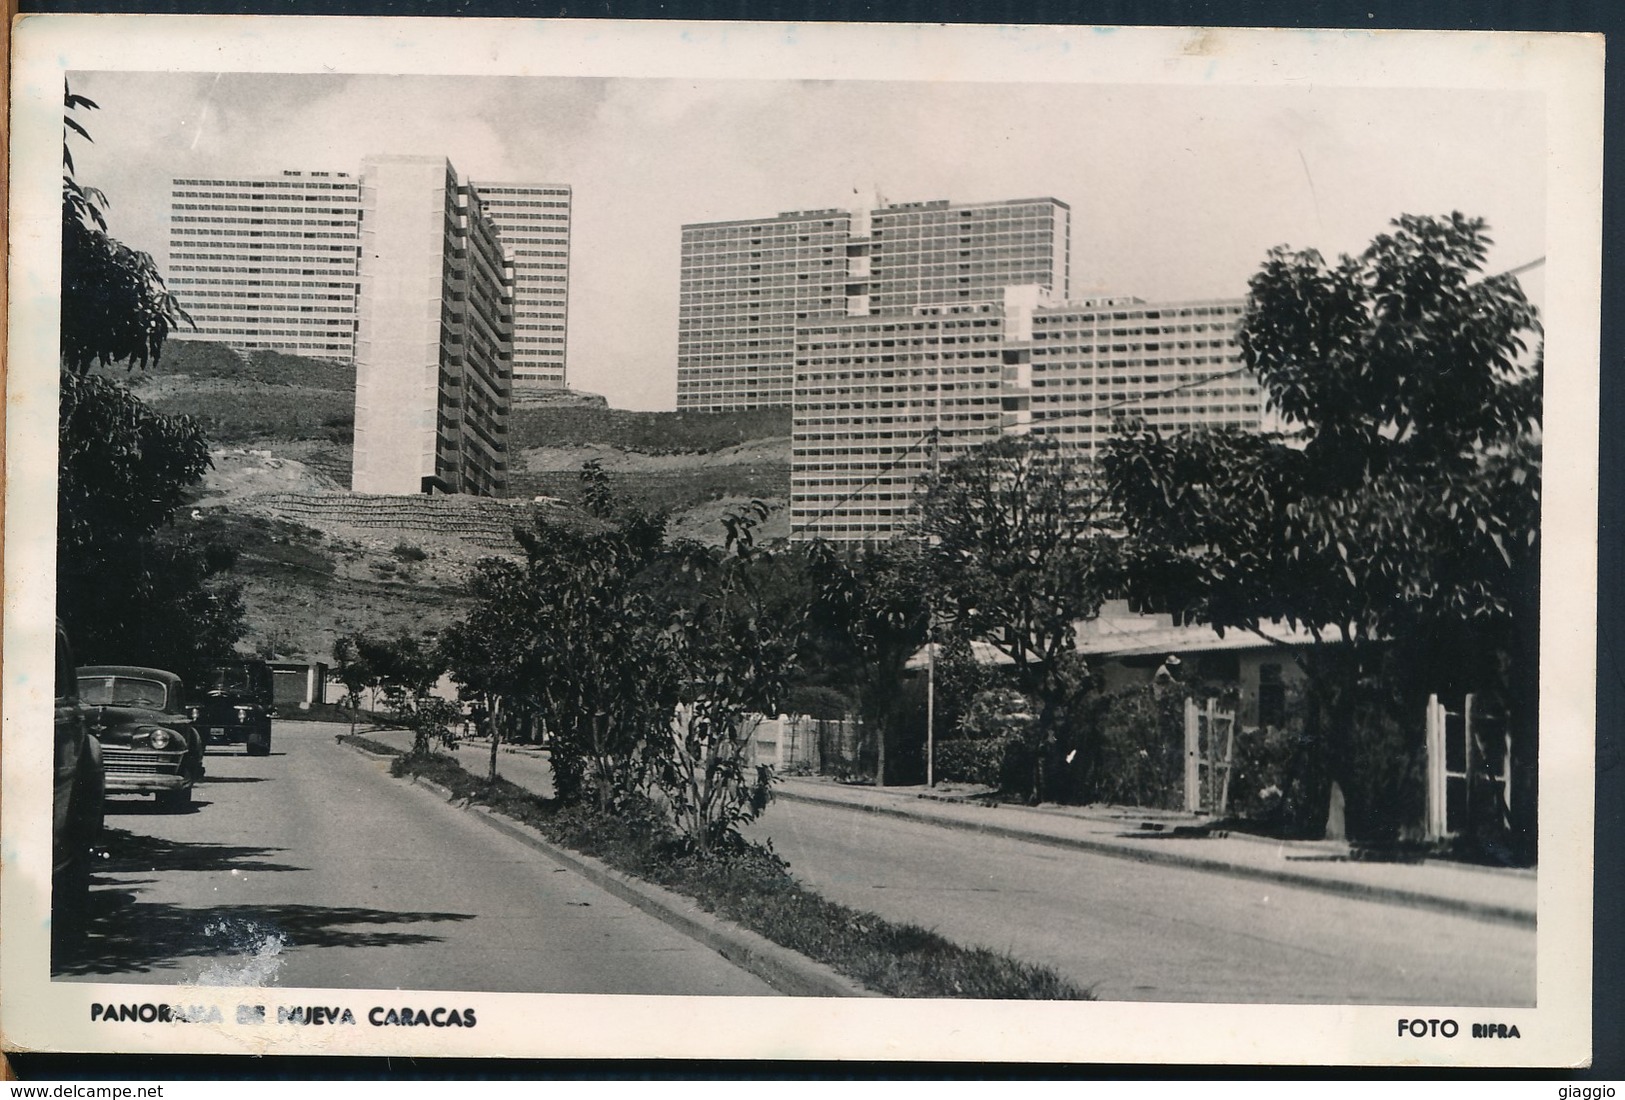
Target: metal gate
[(1210, 745), (1464, 741)]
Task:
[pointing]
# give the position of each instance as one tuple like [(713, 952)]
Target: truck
[(233, 705)]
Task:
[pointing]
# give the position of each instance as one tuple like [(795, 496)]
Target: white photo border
[(40, 1015)]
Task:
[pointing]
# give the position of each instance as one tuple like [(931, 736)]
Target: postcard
[(801, 541)]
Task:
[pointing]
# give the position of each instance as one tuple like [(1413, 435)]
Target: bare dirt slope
[(282, 427)]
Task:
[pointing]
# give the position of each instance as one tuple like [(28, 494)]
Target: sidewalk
[(1487, 893)]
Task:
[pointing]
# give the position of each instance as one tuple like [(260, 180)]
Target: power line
[(1143, 397), (892, 465), (1538, 261)]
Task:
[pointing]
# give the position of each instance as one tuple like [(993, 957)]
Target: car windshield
[(231, 679), (122, 691)]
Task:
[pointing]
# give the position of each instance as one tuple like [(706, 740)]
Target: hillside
[(316, 562), (303, 409), (249, 398), (649, 433)]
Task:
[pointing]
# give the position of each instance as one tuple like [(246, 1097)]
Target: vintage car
[(76, 821), (149, 745), (234, 706)]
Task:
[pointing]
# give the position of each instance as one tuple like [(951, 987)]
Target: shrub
[(817, 701), (978, 761), (1138, 739), (1261, 770), (405, 551), (994, 747)]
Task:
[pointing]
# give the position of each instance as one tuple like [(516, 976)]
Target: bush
[(1138, 737), (817, 701), (405, 551), (1261, 770), (999, 725), (979, 761)]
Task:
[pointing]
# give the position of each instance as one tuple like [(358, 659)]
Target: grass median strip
[(753, 888)]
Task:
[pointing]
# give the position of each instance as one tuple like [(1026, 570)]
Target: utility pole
[(931, 630)]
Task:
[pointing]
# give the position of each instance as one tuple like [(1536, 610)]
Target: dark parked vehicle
[(76, 804), (149, 745), (235, 706)]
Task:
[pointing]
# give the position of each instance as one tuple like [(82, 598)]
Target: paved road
[(313, 868), (1143, 932)]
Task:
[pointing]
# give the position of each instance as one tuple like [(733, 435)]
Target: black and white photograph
[(1012, 544)]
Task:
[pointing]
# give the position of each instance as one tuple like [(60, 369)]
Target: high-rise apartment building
[(271, 262), (874, 395), (434, 341), (1172, 365), (747, 286), (267, 261), (934, 253), (534, 221)]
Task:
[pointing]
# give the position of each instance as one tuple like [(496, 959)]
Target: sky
[(1176, 191)]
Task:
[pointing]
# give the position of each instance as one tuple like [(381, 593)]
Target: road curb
[(787, 971), (1454, 906)]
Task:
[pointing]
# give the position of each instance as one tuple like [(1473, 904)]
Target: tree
[(491, 653), (1017, 558), (127, 584), (876, 597), (115, 307), (1397, 516), (735, 653), (595, 670), (353, 672)]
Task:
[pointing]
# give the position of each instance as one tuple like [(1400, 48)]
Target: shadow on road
[(129, 852), (118, 933), (126, 936), (128, 807), (208, 779)]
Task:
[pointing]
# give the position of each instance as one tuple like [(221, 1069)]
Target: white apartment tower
[(267, 262), (1171, 365), (942, 253), (433, 349), (534, 222), (747, 286), (874, 395)]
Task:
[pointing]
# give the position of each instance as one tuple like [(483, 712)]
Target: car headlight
[(164, 739)]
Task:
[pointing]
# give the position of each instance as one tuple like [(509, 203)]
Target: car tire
[(176, 802), (259, 747)]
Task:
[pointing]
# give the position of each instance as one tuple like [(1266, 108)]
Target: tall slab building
[(942, 253), (272, 262), (746, 286), (434, 340), (534, 221), (874, 396), (1171, 365), (267, 261)]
